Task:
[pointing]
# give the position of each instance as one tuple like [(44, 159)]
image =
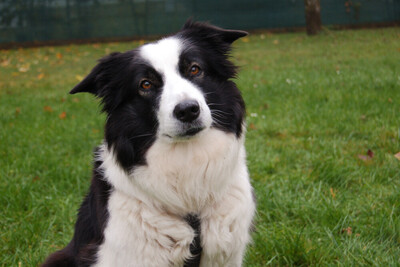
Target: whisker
[(220, 122), (215, 104), (208, 93), (218, 115), (140, 135), (220, 111)]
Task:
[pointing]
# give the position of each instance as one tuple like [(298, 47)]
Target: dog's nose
[(187, 111)]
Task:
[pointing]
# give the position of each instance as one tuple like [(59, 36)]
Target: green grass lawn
[(315, 107)]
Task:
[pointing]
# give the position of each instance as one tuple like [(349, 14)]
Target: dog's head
[(173, 90)]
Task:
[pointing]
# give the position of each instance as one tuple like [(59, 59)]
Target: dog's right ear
[(98, 77)]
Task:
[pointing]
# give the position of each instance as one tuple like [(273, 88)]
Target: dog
[(170, 184)]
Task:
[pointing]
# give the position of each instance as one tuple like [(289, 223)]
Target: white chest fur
[(206, 176)]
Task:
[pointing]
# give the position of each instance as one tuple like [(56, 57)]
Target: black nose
[(187, 111)]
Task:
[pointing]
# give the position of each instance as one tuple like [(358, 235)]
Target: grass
[(315, 107)]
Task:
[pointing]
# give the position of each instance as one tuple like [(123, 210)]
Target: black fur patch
[(195, 247)]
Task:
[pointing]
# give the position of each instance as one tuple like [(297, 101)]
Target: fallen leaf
[(333, 194), (95, 45), (40, 76), (63, 115), (265, 106), (24, 68), (76, 100), (368, 157), (245, 39), (390, 100), (5, 63), (79, 77), (252, 126), (363, 117), (347, 231), (370, 153), (397, 156), (364, 158), (276, 41), (17, 111), (59, 55), (47, 109)]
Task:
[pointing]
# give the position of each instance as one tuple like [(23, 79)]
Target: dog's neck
[(181, 177)]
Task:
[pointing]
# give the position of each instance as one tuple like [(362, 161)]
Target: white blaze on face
[(164, 58)]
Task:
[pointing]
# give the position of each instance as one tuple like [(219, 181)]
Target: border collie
[(170, 184)]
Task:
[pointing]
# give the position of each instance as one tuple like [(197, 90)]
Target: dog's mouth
[(186, 133), (192, 131)]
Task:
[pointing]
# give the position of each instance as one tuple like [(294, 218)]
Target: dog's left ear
[(208, 31), (99, 77)]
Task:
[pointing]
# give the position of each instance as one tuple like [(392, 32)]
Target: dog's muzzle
[(187, 113)]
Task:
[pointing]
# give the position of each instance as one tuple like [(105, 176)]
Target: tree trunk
[(313, 16)]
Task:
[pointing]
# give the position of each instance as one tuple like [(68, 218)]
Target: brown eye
[(146, 85), (194, 70)]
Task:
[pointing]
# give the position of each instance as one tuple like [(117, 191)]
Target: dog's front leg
[(226, 227), (137, 235)]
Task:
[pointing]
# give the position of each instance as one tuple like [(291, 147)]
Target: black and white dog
[(170, 183)]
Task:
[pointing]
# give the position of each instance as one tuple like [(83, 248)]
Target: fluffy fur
[(170, 184)]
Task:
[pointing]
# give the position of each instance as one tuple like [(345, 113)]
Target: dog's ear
[(98, 77), (208, 31)]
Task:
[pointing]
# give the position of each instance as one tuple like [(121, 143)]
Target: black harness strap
[(195, 247)]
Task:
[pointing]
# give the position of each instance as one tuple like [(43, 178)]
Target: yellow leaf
[(276, 41), (40, 76), (79, 77), (245, 39), (59, 55), (63, 115), (333, 194), (47, 109), (5, 63)]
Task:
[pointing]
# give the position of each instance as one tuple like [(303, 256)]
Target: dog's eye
[(145, 84), (194, 70)]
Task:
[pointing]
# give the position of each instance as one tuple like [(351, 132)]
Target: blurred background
[(33, 21)]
